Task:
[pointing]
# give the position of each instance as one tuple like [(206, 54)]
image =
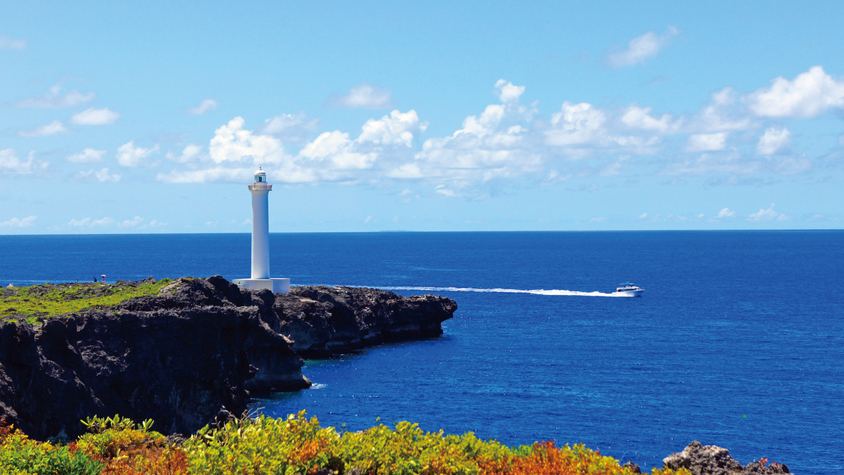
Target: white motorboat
[(629, 290)]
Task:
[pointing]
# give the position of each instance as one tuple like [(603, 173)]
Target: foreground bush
[(20, 455), (295, 445)]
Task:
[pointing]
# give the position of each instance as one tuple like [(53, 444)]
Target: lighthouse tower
[(260, 279)]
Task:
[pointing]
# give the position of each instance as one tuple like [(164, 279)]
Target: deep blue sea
[(737, 342)]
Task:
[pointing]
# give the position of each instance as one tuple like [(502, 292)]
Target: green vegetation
[(39, 301), (295, 445)]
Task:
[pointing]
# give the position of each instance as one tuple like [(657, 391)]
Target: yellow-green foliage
[(294, 445), (406, 449), (298, 445), (48, 300), (20, 455), (264, 445), (109, 437)]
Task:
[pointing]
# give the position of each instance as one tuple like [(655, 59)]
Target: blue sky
[(442, 116)]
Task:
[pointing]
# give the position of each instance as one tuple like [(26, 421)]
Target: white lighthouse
[(261, 240)]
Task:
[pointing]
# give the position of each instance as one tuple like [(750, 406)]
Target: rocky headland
[(189, 353), (194, 351)]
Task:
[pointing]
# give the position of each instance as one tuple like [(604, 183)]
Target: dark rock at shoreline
[(190, 353), (325, 320), (713, 460)]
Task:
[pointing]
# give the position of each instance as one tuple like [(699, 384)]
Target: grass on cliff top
[(47, 300)]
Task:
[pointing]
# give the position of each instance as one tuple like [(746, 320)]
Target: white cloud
[(190, 153), (706, 142), (92, 116), (363, 96), (723, 114), (767, 215), (576, 124), (206, 105), (338, 149), (89, 155), (792, 165), (234, 154), (289, 127), (129, 155), (19, 222), (379, 137), (637, 117), (506, 144), (442, 190), (406, 171), (326, 144), (774, 140), (808, 95), (507, 92), (232, 143), (613, 168), (55, 100), (490, 146), (10, 163), (210, 175), (8, 43), (726, 213), (733, 164), (726, 163), (643, 216), (135, 222), (101, 176), (641, 48), (394, 129), (53, 128), (90, 222)]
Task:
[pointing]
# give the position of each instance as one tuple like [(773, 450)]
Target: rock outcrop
[(191, 352), (713, 460), (325, 320)]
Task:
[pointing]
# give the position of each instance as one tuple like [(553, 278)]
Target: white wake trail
[(574, 293)]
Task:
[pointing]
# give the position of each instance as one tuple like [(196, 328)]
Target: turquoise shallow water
[(738, 340)]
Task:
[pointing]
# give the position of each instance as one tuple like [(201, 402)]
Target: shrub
[(20, 455), (263, 445), (294, 445)]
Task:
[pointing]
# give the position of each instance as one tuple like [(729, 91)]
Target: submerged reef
[(181, 352)]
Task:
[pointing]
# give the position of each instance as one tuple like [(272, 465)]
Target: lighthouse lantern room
[(260, 279)]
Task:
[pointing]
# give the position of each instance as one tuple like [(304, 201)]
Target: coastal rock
[(175, 367), (713, 460), (191, 352), (325, 320), (634, 468)]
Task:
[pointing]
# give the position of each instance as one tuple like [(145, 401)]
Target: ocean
[(738, 340)]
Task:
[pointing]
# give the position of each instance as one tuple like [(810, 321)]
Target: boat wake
[(553, 292)]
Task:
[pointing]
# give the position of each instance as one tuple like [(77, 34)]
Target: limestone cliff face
[(191, 351)]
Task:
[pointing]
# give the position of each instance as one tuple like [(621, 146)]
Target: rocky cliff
[(190, 352)]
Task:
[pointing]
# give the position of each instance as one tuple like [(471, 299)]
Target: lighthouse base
[(277, 286)]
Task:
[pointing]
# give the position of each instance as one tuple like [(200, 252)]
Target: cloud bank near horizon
[(733, 138), (736, 138)]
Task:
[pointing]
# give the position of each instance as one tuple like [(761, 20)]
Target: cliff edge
[(191, 351)]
